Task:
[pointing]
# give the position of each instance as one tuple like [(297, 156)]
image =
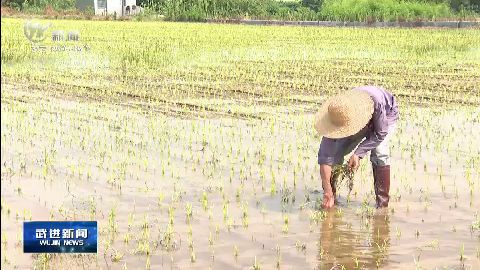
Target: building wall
[(98, 10), (115, 6), (132, 3)]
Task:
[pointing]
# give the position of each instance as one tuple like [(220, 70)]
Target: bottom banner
[(60, 237)]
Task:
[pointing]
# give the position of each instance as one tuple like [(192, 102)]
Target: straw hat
[(344, 114)]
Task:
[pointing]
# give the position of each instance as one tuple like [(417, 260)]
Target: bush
[(231, 9), (40, 5), (337, 10), (148, 13), (305, 14), (314, 5), (89, 12), (382, 10)]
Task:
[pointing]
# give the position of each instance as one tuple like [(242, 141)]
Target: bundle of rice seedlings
[(337, 179)]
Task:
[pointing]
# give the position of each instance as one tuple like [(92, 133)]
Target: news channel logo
[(37, 33), (60, 237)]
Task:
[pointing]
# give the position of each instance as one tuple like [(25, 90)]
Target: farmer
[(363, 118)]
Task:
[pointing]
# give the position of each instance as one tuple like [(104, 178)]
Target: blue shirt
[(385, 114)]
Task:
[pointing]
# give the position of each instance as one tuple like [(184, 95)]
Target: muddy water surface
[(252, 187)]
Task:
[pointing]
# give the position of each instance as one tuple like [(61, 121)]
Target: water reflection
[(352, 246)]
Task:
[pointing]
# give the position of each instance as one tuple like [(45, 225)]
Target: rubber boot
[(381, 181)]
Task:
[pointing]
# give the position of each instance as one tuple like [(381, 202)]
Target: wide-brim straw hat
[(344, 114)]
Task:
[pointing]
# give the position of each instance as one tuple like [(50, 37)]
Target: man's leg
[(380, 158)]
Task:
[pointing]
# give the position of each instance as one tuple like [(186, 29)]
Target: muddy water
[(137, 173)]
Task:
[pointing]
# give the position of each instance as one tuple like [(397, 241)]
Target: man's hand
[(328, 200), (354, 162)]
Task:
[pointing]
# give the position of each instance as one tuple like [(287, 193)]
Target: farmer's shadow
[(342, 244)]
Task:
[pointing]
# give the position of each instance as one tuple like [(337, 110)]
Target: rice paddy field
[(193, 146)]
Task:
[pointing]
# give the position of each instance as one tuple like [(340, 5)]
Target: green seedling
[(339, 174)]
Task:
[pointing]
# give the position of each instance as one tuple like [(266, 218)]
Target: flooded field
[(212, 164), (222, 192)]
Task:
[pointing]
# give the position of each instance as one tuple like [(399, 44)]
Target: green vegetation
[(309, 10), (193, 145), (39, 6), (383, 10)]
